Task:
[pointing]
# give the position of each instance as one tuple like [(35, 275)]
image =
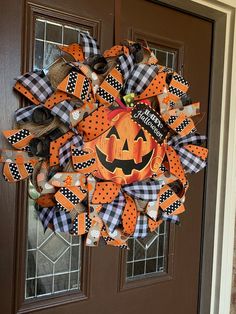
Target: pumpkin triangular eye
[(114, 132), (140, 135)]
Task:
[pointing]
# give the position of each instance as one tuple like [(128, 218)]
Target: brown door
[(53, 273)]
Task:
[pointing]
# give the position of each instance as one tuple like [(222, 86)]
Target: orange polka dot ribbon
[(56, 98), (75, 50), (115, 51), (79, 114), (89, 126), (105, 192), (129, 216), (155, 87)]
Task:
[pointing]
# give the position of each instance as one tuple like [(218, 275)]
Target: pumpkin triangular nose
[(125, 147)]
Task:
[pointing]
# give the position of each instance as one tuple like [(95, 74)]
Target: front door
[(54, 273)]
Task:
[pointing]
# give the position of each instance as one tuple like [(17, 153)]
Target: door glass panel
[(148, 256), (53, 260)]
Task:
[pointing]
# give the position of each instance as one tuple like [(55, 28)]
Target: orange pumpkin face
[(126, 153)]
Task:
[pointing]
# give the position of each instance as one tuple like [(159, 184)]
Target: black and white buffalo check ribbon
[(60, 220), (111, 213), (141, 228), (191, 163), (144, 190), (139, 79), (126, 65), (62, 111), (37, 83), (24, 114), (90, 46), (65, 151), (46, 216)]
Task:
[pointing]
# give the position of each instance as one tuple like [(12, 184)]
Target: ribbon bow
[(193, 157), (18, 164)]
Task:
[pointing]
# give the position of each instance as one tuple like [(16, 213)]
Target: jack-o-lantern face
[(126, 153)]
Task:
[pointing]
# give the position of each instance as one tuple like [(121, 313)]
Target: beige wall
[(233, 294)]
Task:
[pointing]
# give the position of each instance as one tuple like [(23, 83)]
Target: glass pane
[(171, 60), (39, 29), (54, 32), (51, 53), (49, 256), (70, 35), (165, 57), (53, 260), (38, 54), (148, 256)]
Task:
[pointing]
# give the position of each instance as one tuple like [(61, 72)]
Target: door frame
[(220, 197)]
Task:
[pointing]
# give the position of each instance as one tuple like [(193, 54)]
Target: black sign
[(150, 121)]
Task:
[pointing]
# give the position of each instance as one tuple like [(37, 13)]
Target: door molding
[(219, 217)]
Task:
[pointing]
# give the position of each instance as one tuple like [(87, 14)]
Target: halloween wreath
[(107, 141)]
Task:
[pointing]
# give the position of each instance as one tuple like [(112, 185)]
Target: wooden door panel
[(104, 288), (167, 25)]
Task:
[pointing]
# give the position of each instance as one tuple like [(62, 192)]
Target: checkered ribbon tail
[(62, 221), (140, 78), (141, 229), (111, 213), (146, 190), (62, 111), (194, 139), (45, 215), (174, 219), (191, 163), (65, 150), (90, 46), (24, 114), (37, 83), (126, 65)]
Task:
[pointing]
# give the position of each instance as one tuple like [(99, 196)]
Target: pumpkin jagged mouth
[(127, 165)]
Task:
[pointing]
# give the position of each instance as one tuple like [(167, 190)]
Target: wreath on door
[(106, 140)]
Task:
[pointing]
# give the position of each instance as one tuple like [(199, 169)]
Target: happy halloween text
[(147, 118)]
